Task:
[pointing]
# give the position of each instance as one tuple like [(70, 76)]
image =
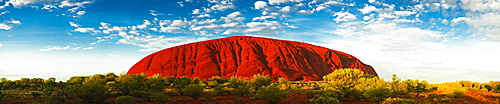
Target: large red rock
[(246, 56)]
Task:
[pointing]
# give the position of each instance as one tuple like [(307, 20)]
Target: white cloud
[(305, 12), (264, 28), (144, 25), (66, 3), (87, 48), (286, 9), (85, 30), (387, 15), (221, 5), (487, 24), (319, 8), (49, 7), (262, 18), (80, 13), (260, 4), (5, 27), (1, 45), (51, 48), (367, 9), (179, 23), (480, 5), (367, 18), (404, 13), (171, 29), (74, 24), (196, 11), (19, 3), (15, 22), (344, 16), (203, 15), (278, 2)]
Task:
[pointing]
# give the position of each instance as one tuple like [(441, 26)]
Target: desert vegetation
[(340, 86)]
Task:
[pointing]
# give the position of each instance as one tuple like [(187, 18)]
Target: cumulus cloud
[(344, 16), (67, 3), (404, 13), (367, 9), (80, 13), (260, 4), (85, 30), (278, 2)]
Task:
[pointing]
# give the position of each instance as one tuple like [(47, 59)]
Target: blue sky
[(434, 40)]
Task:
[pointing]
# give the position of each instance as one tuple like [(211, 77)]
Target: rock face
[(246, 56)]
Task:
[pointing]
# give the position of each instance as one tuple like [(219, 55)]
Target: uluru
[(245, 56)]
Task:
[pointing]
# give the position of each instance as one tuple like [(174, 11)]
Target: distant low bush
[(377, 94), (324, 99), (90, 93), (57, 97), (193, 90), (271, 94), (457, 94), (127, 99), (161, 98), (399, 101), (1, 96)]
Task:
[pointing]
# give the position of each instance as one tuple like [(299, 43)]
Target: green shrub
[(312, 93), (90, 92), (127, 99), (457, 94), (377, 94), (221, 90), (445, 100), (35, 94), (242, 90), (57, 97), (260, 81), (324, 99), (161, 98), (193, 90), (271, 94), (1, 96), (399, 101)]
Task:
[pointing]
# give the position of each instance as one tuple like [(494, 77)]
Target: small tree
[(1, 96), (322, 99), (127, 99), (180, 83), (377, 94), (57, 97), (259, 81), (345, 81), (240, 86), (161, 98), (271, 94), (89, 92), (193, 90), (35, 94)]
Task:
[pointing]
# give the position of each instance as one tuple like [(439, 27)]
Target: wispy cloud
[(59, 48)]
